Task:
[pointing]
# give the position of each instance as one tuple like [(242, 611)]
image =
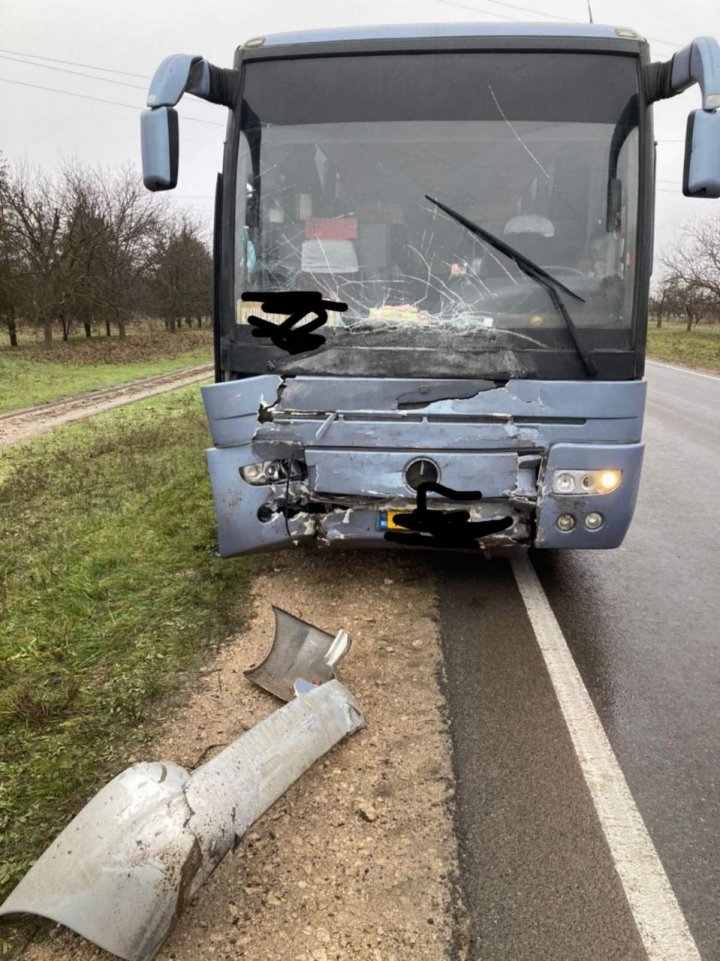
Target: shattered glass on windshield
[(339, 207)]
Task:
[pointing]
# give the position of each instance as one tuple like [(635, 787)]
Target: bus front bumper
[(254, 518), (328, 460)]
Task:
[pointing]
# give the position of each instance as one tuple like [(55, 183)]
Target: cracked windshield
[(338, 158)]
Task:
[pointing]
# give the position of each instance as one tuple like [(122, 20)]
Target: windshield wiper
[(529, 267)]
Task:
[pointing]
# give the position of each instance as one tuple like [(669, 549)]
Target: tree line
[(689, 285), (90, 249)]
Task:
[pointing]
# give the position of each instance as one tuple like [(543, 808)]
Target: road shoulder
[(356, 860), (538, 878)]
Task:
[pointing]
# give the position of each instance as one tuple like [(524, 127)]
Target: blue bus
[(433, 247)]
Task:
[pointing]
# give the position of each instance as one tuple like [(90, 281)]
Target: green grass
[(673, 344), (24, 382), (110, 589)]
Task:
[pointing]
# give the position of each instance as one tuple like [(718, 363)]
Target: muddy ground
[(357, 860), (22, 425)]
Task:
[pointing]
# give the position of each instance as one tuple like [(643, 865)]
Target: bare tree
[(33, 223), (92, 233), (90, 244), (131, 219), (181, 284), (693, 270), (10, 267), (670, 298)]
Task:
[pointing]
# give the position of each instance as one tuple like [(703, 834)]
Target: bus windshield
[(337, 157)]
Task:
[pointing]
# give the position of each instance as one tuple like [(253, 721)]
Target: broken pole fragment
[(122, 871), (299, 651)]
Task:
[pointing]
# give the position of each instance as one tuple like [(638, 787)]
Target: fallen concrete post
[(122, 871)]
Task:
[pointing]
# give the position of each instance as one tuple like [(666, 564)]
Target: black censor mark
[(441, 528), (298, 304)]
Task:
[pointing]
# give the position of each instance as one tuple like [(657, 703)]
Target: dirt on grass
[(356, 862), (24, 424)]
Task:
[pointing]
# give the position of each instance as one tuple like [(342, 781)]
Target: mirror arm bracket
[(698, 62), (189, 73)]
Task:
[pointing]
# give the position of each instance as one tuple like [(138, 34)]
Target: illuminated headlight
[(586, 481), (272, 471)]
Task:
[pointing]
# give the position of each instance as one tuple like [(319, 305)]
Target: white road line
[(660, 922), (683, 370)]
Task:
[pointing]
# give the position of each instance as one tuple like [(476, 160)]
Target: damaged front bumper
[(330, 460)]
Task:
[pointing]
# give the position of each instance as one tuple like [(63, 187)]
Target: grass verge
[(26, 380), (673, 344), (110, 589)]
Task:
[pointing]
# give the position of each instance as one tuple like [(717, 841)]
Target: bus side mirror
[(701, 176), (178, 74), (160, 146)]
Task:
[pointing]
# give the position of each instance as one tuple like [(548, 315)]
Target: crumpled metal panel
[(359, 528), (440, 414), (122, 871), (237, 504), (553, 398), (232, 408), (382, 473), (355, 436), (299, 650)]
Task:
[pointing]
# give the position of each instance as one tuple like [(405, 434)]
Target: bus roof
[(406, 31)]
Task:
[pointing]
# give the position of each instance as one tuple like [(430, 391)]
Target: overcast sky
[(45, 126)]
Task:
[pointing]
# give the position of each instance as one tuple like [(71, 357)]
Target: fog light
[(566, 522), (593, 521)]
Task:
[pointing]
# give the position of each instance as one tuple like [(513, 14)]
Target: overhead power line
[(539, 13), (73, 63), (514, 6), (75, 73), (465, 6), (84, 96)]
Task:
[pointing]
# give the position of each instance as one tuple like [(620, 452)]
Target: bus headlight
[(272, 471), (586, 481)]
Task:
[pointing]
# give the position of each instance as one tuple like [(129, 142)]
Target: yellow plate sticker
[(392, 524)]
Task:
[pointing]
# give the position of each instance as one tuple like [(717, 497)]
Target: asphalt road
[(539, 877)]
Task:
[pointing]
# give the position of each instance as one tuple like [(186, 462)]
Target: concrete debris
[(123, 870), (366, 811), (372, 886)]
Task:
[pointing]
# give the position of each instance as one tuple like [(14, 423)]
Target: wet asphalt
[(643, 625)]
